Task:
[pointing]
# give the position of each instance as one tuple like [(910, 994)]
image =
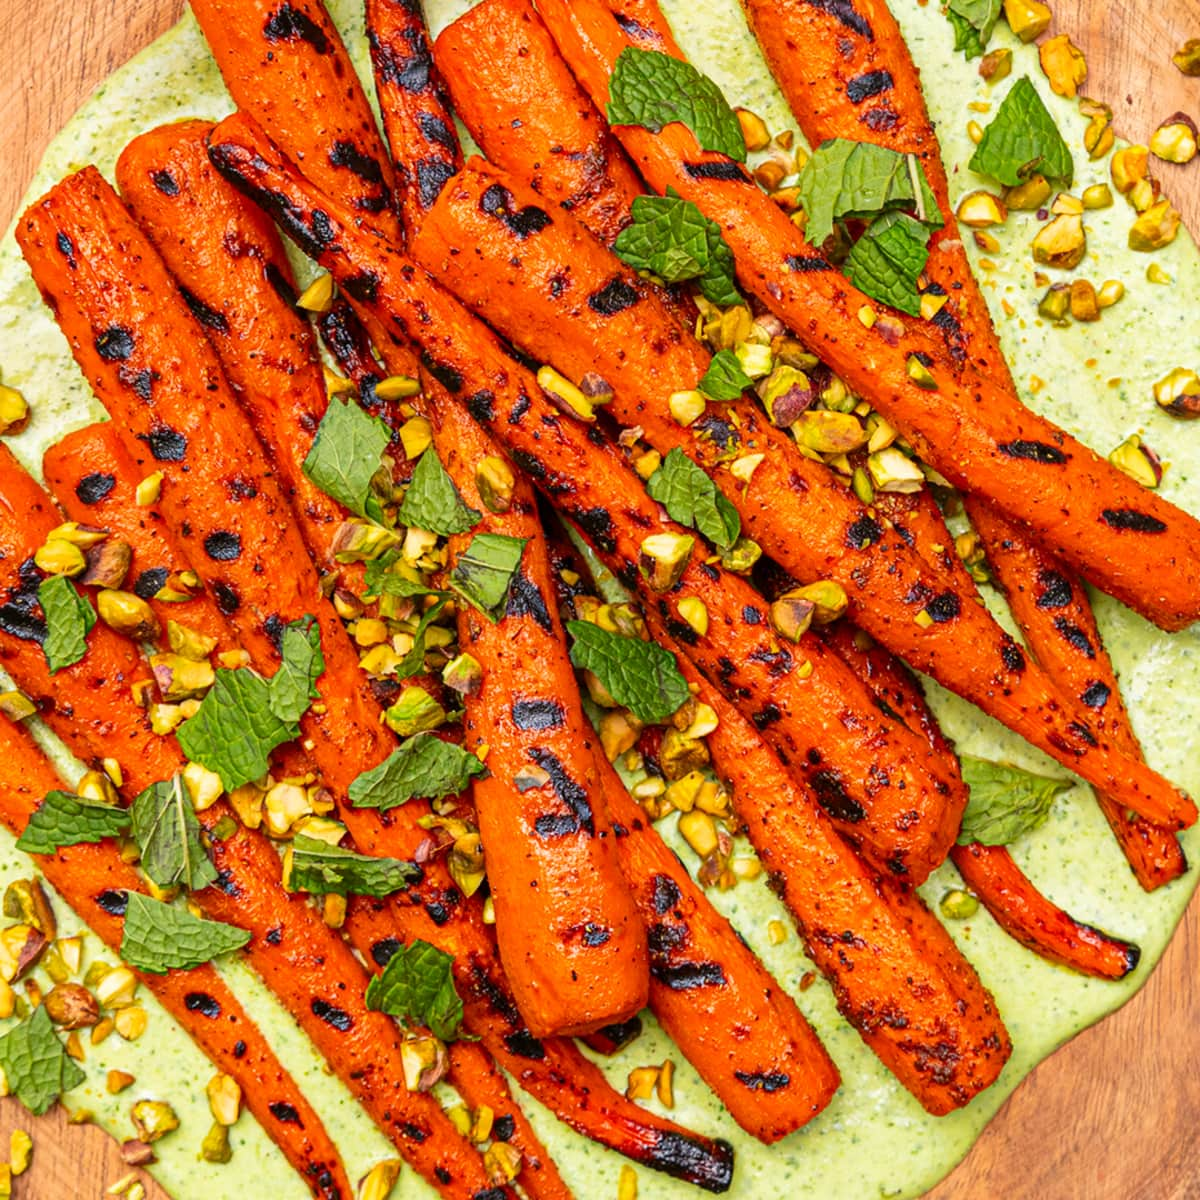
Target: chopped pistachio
[(792, 614), (754, 130), (619, 732), (641, 1083), (1138, 461), (958, 905), (165, 718), (1174, 141), (72, 1006), (424, 1061), (60, 557), (179, 678), (1063, 64), (687, 407), (129, 614), (131, 1022), (920, 374), (679, 754), (20, 1150), (284, 804), (189, 643), (1028, 196), (699, 831), (148, 490), (16, 706), (1065, 203), (1056, 303), (224, 1098), (694, 611), (1085, 304), (180, 587), (666, 1084), (216, 1148), (378, 1182), (770, 174), (1098, 138), (741, 556), (495, 482), (318, 296), (1179, 393), (564, 394), (1144, 194), (1187, 57), (107, 564), (415, 712), (1155, 228), (465, 863), (1111, 291), (703, 721), (860, 482), (102, 1030), (1099, 195), (627, 1183), (117, 1081), (756, 360), (827, 432), (663, 558), (463, 675), (416, 436), (1028, 19), (397, 387), (893, 471), (1061, 243), (153, 1119), (360, 541), (1156, 273), (14, 410), (1128, 167), (980, 209), (785, 394), (646, 464), (20, 948), (975, 131), (335, 384)]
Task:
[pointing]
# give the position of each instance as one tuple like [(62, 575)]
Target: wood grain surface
[(1111, 1116)]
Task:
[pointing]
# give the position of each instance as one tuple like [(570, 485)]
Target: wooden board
[(1111, 1115)]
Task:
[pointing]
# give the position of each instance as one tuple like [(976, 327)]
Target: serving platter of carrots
[(451, 635)]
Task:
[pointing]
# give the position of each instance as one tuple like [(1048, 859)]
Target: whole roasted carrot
[(93, 880), (482, 240), (412, 100), (235, 278), (1124, 539), (843, 735), (570, 937), (524, 108)]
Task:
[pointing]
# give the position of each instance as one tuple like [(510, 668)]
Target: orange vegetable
[(93, 879), (570, 937), (1123, 538), (820, 711), (488, 241), (523, 107), (412, 99)]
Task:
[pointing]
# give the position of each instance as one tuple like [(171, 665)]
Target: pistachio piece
[(25, 900), (180, 587), (378, 1182), (22, 945), (60, 557), (679, 754), (179, 678), (1138, 461), (996, 65), (694, 611), (1085, 304), (216, 1148), (1098, 138), (699, 830), (495, 483), (1155, 228), (424, 1061), (284, 804), (1055, 304), (980, 209), (1179, 393), (16, 706), (792, 614), (756, 360), (107, 564), (153, 1119), (1099, 195), (1187, 57), (14, 410), (741, 556), (1128, 167), (1061, 243), (646, 464), (893, 471), (318, 296), (72, 1006), (465, 863), (828, 597), (619, 732), (148, 490), (1111, 290), (204, 786), (958, 905), (463, 675), (1156, 273), (131, 615), (397, 387), (1174, 141), (828, 432), (920, 374), (1065, 203), (754, 130), (561, 392), (785, 394), (1063, 64), (1028, 19), (415, 712), (189, 643), (416, 436), (20, 1150), (224, 1099), (359, 541), (663, 558), (1028, 196), (687, 407)]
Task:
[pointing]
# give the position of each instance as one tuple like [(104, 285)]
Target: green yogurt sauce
[(874, 1140)]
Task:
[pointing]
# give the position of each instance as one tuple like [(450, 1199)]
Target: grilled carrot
[(234, 276), (1124, 539), (488, 241), (802, 711), (93, 880), (523, 107), (412, 100), (570, 937)]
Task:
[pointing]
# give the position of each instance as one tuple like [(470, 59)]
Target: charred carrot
[(577, 473), (93, 880), (488, 241), (412, 100), (524, 108), (570, 937), (1124, 539)]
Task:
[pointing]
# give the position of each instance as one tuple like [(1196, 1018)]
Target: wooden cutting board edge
[(1108, 1117)]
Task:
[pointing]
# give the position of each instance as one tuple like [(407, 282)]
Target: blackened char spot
[(165, 182), (520, 407), (503, 1129), (834, 798), (763, 1081), (497, 202), (806, 263), (683, 977), (209, 317), (223, 546), (524, 600), (944, 607), (414, 1133), (166, 444), (1083, 733), (663, 939), (228, 601), (202, 1003), (141, 382), (1012, 655), (331, 1015), (66, 248), (91, 489), (863, 87), (862, 533), (880, 119), (706, 1162), (598, 526), (1129, 520), (284, 1112), (287, 24), (239, 1049), (595, 935), (571, 793), (844, 12), (716, 429), (115, 344), (1056, 589), (410, 72), (17, 619), (752, 615), (634, 30), (532, 715), (482, 405), (665, 894), (444, 373), (1038, 452), (363, 287), (434, 129), (726, 171), (614, 297), (767, 715), (150, 582), (113, 902), (347, 154), (275, 936), (681, 631), (1074, 636), (384, 950), (523, 1044), (1096, 694), (433, 174)]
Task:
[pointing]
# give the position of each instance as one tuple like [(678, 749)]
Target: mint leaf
[(485, 570), (345, 455), (381, 579), (423, 766), (36, 1064), (417, 987), (653, 89), (1005, 802), (724, 379), (640, 676), (845, 179), (966, 36), (674, 240), (69, 619), (316, 867), (161, 937), (235, 730), (693, 499), (1023, 140), (973, 22), (413, 663), (432, 501), (63, 819), (293, 686), (167, 833), (886, 261)]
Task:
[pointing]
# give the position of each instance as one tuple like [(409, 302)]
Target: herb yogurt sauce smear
[(874, 1139)]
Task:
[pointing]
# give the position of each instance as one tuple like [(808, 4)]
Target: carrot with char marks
[(570, 937), (539, 278), (528, 114), (1124, 539), (94, 881), (412, 100), (805, 701)]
